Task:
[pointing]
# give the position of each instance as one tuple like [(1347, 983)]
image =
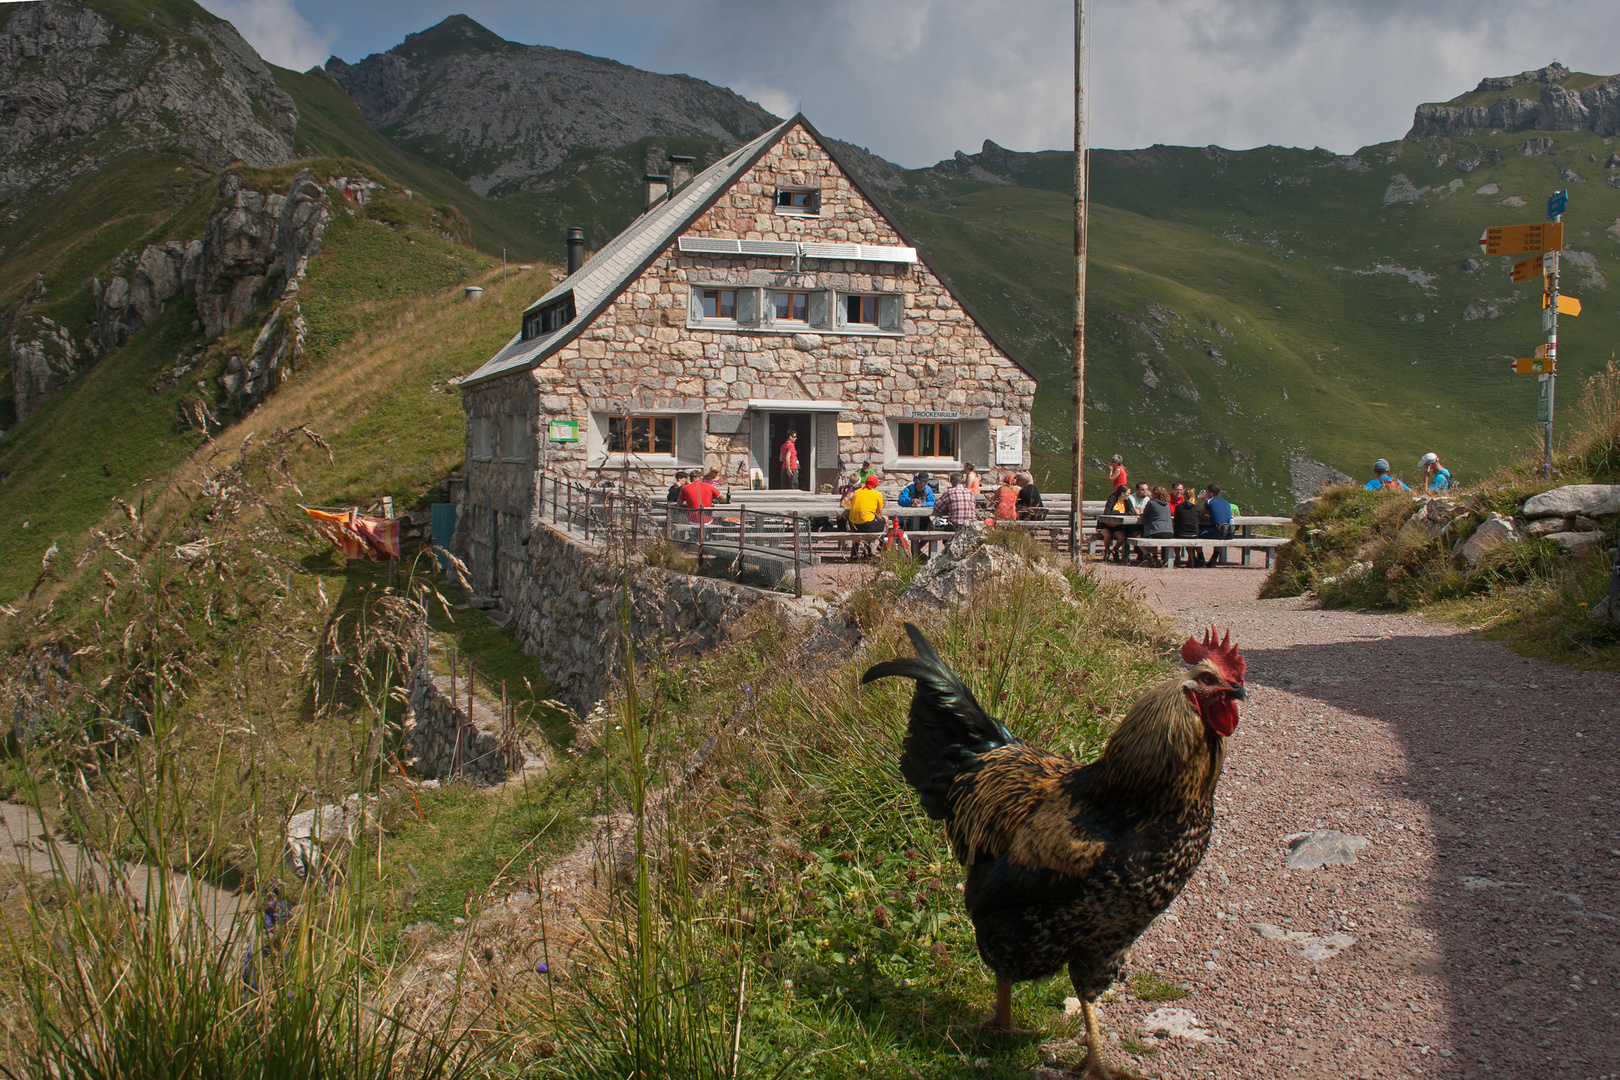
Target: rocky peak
[(76, 89), (1556, 108), (499, 114)]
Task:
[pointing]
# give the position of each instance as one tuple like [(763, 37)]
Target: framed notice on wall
[(563, 431), (1009, 445), (827, 442)]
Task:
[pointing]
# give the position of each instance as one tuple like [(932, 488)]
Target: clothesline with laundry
[(357, 535)]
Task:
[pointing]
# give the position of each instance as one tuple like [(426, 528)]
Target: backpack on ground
[(895, 537)]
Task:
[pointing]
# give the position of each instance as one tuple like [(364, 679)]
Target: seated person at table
[(1178, 495), (1156, 524), (1029, 499), (1138, 502), (1217, 521), (1113, 533), (1187, 521), (957, 505), (675, 488), (865, 505), (1006, 504), (918, 493)]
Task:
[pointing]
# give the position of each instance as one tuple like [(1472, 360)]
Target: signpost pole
[(1076, 482), (1555, 213)]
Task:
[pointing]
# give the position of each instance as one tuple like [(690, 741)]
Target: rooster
[(1067, 864)]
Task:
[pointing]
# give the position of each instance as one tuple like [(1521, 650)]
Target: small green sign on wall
[(563, 431)]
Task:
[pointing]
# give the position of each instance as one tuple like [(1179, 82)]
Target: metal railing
[(604, 514)]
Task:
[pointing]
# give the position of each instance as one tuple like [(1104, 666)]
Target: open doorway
[(781, 424)]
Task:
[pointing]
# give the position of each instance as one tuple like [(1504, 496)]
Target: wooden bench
[(1268, 544)]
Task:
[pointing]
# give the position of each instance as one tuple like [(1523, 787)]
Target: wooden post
[(702, 521), (570, 523), (798, 581), (742, 536), (1077, 481), (668, 509)]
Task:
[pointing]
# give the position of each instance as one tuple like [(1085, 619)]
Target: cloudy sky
[(916, 80)]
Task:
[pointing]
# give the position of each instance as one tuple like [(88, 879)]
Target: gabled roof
[(611, 270)]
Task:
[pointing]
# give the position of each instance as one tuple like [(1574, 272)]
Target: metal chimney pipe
[(657, 189), (576, 248), (680, 171)]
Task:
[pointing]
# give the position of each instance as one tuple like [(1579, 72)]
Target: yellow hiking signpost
[(1522, 239), (1542, 242), (1533, 267)]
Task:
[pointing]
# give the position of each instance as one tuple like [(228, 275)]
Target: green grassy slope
[(329, 124), (1292, 267)]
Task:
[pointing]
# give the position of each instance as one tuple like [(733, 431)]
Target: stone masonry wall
[(443, 742), (641, 354), (566, 613)]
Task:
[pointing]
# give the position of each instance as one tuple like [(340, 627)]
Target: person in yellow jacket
[(865, 510)]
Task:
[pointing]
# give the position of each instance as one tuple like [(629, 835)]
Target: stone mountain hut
[(767, 293)]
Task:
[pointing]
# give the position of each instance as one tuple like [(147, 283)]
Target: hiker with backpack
[(1382, 480), (1437, 478)]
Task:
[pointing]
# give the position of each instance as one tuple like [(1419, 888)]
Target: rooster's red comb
[(1218, 651)]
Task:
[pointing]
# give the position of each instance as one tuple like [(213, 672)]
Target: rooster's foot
[(1000, 1021)]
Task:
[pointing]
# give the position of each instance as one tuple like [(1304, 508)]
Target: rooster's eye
[(1207, 679)]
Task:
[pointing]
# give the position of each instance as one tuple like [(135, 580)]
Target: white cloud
[(277, 30)]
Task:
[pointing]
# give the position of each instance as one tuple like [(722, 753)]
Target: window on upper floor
[(641, 435), (720, 303), (791, 307), (550, 318), (483, 437), (805, 202), (869, 312)]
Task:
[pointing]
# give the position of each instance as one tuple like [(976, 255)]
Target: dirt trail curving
[(1485, 907)]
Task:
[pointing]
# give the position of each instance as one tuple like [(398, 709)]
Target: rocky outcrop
[(434, 92), (43, 359), (1590, 500), (1557, 108), (70, 78), (967, 563), (257, 246), (1493, 532)]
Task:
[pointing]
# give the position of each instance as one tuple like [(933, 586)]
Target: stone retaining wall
[(437, 723), (566, 612)]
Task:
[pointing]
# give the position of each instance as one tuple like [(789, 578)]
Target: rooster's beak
[(1236, 693)]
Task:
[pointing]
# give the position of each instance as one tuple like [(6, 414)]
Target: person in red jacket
[(697, 497)]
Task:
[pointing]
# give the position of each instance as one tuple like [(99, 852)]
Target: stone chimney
[(657, 189), (576, 248), (680, 172)]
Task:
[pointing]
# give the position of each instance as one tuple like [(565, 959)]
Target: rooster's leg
[(1094, 1067), (1000, 1021)]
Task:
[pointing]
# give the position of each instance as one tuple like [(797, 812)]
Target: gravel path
[(1484, 909)]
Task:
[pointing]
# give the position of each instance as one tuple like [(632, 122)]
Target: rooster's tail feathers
[(948, 729)]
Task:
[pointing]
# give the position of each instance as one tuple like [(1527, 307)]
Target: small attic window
[(805, 202), (545, 320)]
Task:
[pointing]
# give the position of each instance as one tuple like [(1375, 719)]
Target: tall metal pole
[(1077, 483), (1552, 351)]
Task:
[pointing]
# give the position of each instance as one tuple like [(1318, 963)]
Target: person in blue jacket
[(1382, 480), (918, 493), (1437, 478), (1216, 521)]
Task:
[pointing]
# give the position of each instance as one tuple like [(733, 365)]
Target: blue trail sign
[(1556, 203)]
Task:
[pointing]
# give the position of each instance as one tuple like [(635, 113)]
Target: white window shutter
[(889, 312), (748, 307), (841, 309), (818, 308), (694, 305)]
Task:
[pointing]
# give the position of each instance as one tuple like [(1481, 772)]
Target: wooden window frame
[(719, 295), (855, 308), (803, 296), (630, 425), (549, 319), (916, 428)]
